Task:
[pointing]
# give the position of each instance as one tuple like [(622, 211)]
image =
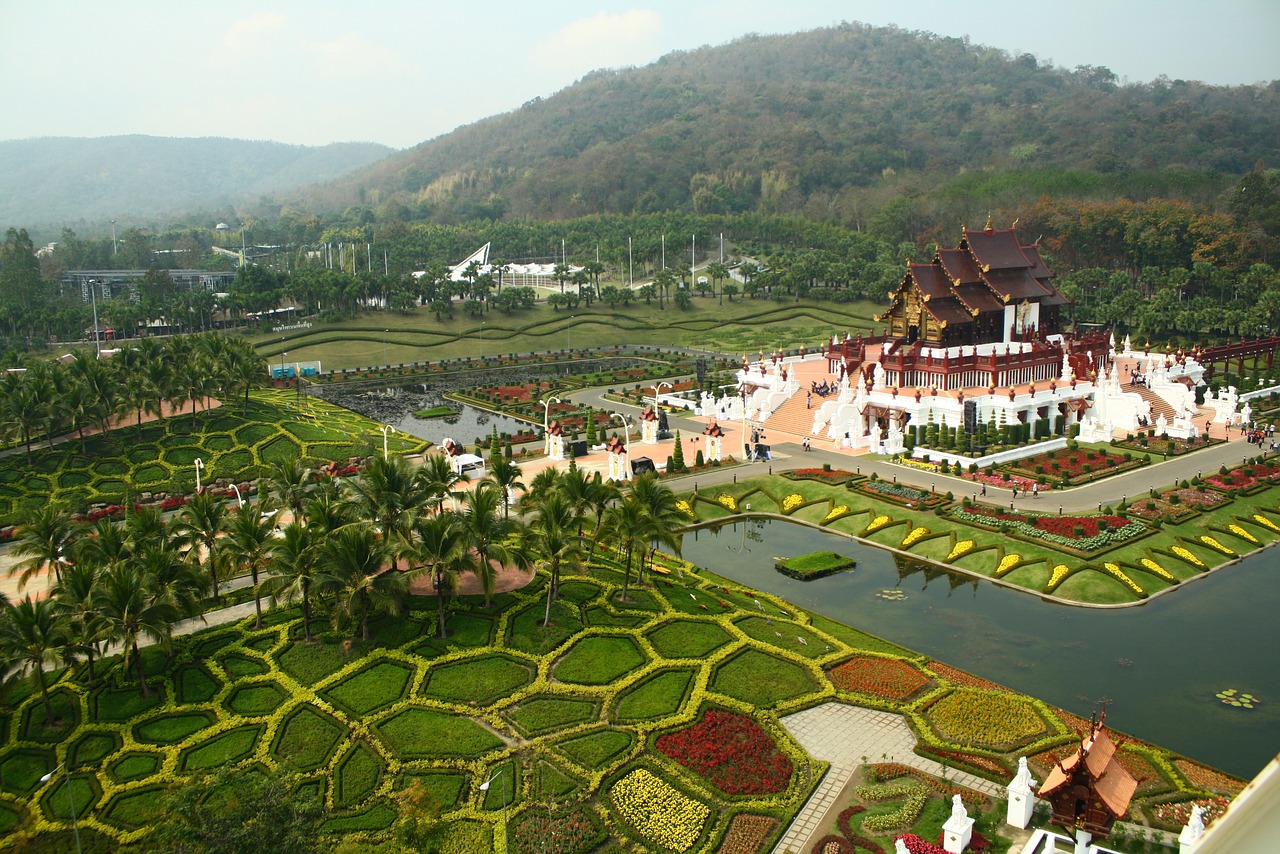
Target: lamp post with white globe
[(75, 828)]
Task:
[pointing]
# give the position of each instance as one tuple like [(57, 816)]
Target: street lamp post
[(97, 336), (199, 466), (657, 390), (75, 827), (569, 335), (626, 436), (484, 787), (385, 428), (115, 249), (283, 353), (239, 497), (546, 423)]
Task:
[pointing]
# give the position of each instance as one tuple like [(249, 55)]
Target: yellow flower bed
[(1007, 563), (659, 812), (960, 549), (915, 536), (920, 464), (1059, 572), (878, 523), (1243, 534), (1214, 544), (792, 503), (1265, 522), (1186, 555), (1157, 569), (1115, 570), (728, 502), (683, 507), (836, 513)]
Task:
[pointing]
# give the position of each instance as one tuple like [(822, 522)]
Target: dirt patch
[(508, 578)]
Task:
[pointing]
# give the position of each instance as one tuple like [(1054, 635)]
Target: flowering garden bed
[(1166, 445), (732, 751), (900, 494), (1177, 504), (889, 678), (1086, 535), (1073, 466), (833, 477), (1245, 478)]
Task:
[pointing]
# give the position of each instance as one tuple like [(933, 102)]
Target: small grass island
[(807, 567), (436, 412)]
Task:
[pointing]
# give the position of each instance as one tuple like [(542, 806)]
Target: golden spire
[(989, 226)]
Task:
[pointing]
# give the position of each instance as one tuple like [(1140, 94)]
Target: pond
[(1158, 665)]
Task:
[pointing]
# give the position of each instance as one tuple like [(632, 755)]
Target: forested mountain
[(831, 124), (62, 180)]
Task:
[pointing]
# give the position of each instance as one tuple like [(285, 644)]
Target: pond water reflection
[(1159, 665)]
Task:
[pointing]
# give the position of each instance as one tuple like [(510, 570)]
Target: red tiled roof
[(930, 279), (1016, 284), (959, 265), (949, 310), (1038, 268), (996, 250), (978, 296)]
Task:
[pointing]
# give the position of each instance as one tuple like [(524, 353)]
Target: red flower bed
[(1074, 465), (732, 752), (916, 845), (1245, 477), (881, 677)]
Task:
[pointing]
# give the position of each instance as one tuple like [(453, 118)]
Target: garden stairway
[(1159, 406), (792, 418)]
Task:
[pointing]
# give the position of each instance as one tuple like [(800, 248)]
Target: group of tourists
[(1258, 434)]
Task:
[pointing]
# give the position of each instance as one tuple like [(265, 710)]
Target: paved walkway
[(847, 736)]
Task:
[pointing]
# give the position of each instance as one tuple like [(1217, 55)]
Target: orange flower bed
[(890, 678), (958, 677)]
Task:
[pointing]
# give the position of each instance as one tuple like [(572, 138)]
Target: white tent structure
[(517, 275)]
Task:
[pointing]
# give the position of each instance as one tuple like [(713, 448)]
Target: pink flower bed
[(732, 752)]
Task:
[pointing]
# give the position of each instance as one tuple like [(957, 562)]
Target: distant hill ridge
[(840, 124), (65, 180), (811, 123)]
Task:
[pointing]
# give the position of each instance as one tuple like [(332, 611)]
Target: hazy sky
[(400, 72)]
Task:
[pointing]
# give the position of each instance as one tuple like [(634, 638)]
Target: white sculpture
[(1191, 834), (900, 847), (957, 832), (1021, 796)]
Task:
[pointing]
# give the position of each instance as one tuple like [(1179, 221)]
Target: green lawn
[(234, 442), (358, 733), (1152, 562), (738, 326)]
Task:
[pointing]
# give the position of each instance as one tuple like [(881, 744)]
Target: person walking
[(983, 493), (1035, 490)]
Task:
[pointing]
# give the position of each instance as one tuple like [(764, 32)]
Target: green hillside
[(830, 124)]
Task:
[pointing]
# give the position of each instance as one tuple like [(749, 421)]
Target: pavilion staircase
[(792, 419), (1159, 406)]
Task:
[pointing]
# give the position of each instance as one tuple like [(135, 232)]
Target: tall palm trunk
[(142, 673)]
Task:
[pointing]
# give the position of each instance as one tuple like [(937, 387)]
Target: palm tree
[(73, 596), (353, 569), (390, 493), (31, 633), (662, 515), (486, 531), (552, 535), (289, 483), (440, 479), (131, 606), (506, 474), (294, 568), (45, 540), (197, 527), (440, 547), (250, 536), (626, 524)]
